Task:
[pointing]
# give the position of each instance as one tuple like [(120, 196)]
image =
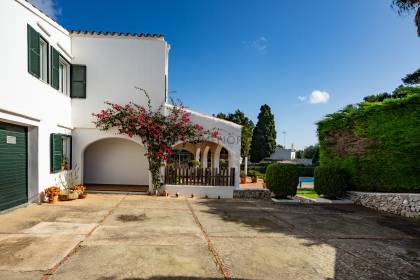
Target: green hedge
[(377, 143), (282, 179), (331, 181)]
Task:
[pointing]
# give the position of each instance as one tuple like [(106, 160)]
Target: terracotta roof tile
[(120, 34)]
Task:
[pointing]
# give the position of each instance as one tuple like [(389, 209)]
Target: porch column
[(215, 155), (197, 154), (204, 158)]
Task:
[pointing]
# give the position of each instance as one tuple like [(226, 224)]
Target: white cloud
[(259, 44), (49, 7), (316, 97)]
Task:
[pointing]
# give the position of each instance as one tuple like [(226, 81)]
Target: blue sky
[(240, 54)]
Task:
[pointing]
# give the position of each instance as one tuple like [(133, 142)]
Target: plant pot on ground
[(81, 189), (243, 177), (68, 195), (52, 194)]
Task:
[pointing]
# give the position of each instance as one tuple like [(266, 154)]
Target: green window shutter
[(56, 152), (78, 81), (34, 56), (55, 61), (71, 153)]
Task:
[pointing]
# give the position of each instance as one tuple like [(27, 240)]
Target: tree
[(312, 152), (399, 92), (309, 151), (407, 6), (247, 127), (299, 154), (413, 78), (264, 135), (158, 131)]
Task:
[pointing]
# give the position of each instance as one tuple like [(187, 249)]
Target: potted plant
[(65, 164), (52, 194), (81, 190), (243, 177), (253, 176), (67, 180)]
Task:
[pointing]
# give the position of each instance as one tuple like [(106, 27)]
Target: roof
[(113, 34), (98, 33)]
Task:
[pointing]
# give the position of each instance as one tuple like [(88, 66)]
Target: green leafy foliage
[(413, 78), (330, 181), (377, 143), (408, 6), (282, 179), (264, 135)]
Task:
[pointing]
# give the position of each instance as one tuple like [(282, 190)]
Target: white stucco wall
[(115, 65), (115, 161), (24, 99)]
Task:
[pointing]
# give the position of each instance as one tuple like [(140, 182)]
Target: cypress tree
[(264, 135)]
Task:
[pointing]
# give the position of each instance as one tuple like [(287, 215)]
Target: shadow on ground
[(168, 278), (365, 244)]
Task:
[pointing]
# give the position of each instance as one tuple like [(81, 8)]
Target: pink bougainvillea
[(159, 131)]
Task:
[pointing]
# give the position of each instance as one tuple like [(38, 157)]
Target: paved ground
[(110, 237)]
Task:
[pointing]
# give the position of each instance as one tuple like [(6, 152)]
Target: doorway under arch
[(115, 164)]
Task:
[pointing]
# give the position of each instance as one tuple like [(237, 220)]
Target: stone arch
[(115, 161)]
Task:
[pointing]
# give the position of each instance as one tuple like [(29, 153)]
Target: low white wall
[(115, 161), (200, 191)]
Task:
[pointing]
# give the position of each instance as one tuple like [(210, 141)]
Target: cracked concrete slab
[(60, 228), (144, 237), (30, 252), (139, 262)]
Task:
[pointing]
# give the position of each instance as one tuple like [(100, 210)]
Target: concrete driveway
[(107, 237)]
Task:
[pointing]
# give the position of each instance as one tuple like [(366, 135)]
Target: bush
[(376, 142), (330, 181), (282, 179), (194, 163)]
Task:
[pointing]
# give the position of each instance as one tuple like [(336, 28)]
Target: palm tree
[(406, 6)]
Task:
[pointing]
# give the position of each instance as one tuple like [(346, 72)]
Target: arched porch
[(110, 162)]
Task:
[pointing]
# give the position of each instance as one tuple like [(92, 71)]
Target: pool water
[(306, 179)]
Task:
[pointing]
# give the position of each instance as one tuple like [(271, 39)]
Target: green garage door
[(13, 166)]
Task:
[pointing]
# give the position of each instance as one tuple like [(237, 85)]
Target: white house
[(54, 79), (282, 154)]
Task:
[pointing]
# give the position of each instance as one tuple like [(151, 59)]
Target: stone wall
[(252, 194), (404, 204)]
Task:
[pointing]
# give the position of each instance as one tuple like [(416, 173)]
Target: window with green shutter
[(78, 81), (56, 152), (55, 66), (34, 56), (61, 152)]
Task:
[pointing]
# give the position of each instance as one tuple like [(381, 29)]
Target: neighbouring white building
[(54, 79), (282, 154)]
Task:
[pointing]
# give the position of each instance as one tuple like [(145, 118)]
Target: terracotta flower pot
[(243, 180), (53, 199), (254, 179), (82, 195)]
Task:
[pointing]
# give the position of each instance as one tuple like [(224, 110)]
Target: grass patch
[(308, 193)]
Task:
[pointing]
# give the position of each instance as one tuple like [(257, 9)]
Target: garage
[(13, 166)]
